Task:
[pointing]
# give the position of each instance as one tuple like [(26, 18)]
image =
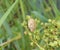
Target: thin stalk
[(22, 9), (54, 7), (9, 41), (48, 9), (41, 48)]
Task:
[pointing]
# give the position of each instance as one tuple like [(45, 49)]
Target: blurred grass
[(13, 13)]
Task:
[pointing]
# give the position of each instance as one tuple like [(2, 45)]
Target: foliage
[(14, 31)]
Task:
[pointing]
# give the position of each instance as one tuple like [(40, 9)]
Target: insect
[(31, 24)]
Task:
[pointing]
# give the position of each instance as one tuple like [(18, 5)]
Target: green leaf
[(3, 18), (39, 15)]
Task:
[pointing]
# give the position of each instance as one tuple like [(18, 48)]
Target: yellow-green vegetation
[(29, 25)]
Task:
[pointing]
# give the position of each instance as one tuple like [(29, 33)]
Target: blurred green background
[(14, 13)]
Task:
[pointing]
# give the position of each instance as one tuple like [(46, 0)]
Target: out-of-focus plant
[(29, 25), (46, 35)]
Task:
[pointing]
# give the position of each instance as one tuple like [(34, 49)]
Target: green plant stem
[(9, 41), (38, 45), (22, 9)]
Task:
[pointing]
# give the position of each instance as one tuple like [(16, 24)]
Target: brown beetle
[(31, 24)]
